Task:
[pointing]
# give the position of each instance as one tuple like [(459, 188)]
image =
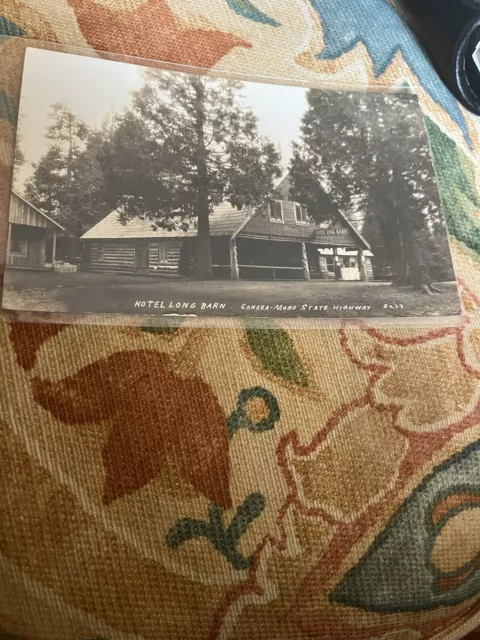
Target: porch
[(247, 258)]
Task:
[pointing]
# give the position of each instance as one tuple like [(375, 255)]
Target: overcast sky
[(93, 88)]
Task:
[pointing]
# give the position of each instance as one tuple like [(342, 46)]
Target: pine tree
[(186, 145), (70, 183), (19, 158), (55, 177), (370, 153)]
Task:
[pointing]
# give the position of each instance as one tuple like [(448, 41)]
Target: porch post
[(9, 240), (234, 270), (361, 266), (54, 248), (336, 270), (306, 270)]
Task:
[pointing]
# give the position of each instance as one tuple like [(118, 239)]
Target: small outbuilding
[(28, 229)]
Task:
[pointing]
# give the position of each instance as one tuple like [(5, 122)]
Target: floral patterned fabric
[(244, 482)]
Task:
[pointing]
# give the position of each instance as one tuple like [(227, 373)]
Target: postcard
[(161, 192)]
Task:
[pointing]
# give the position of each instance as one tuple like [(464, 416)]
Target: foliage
[(225, 539), (457, 184), (19, 159), (69, 183), (188, 144), (370, 153), (248, 10), (242, 417), (277, 353)]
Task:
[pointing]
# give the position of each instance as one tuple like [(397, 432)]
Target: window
[(100, 251), (330, 263), (18, 246), (301, 215), (18, 243), (276, 211), (158, 252)]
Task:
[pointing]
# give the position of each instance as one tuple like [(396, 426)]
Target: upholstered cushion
[(245, 483)]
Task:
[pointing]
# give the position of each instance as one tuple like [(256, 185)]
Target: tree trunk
[(393, 241), (401, 274), (203, 269), (420, 277), (402, 271)]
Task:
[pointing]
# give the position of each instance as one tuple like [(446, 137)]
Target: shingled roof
[(225, 220)]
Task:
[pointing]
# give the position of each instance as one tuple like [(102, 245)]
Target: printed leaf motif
[(155, 414), (27, 338), (257, 410), (151, 31), (248, 10), (8, 28), (343, 30), (225, 540), (457, 187), (8, 108), (276, 351), (417, 581)]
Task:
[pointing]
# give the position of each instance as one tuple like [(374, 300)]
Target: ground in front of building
[(117, 293)]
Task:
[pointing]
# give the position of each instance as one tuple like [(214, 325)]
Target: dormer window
[(301, 214), (276, 211)]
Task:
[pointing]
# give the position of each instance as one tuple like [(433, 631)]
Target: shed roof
[(44, 215), (225, 220)]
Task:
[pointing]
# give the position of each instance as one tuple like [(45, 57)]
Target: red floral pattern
[(144, 399), (151, 31)]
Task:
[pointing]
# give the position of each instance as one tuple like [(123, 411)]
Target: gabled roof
[(44, 215), (328, 205), (224, 221), (354, 230)]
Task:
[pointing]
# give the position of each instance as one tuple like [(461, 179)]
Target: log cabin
[(278, 242), (28, 229)]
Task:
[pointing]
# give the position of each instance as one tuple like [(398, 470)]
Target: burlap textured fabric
[(328, 481)]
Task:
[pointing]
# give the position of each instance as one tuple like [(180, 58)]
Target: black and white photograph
[(148, 191)]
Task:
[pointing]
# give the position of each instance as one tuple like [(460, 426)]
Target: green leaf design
[(9, 28), (225, 540), (185, 530), (276, 351), (8, 108), (240, 418), (248, 10), (457, 187)]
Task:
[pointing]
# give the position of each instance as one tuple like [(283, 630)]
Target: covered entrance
[(344, 263)]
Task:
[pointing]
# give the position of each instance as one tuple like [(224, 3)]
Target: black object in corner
[(450, 32)]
